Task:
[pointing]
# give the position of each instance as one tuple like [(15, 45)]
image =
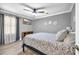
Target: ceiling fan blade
[(28, 10), (41, 12), (27, 6)]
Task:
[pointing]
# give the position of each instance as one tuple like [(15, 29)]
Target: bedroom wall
[(73, 18), (24, 27), (52, 23)]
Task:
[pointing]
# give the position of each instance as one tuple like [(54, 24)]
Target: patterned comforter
[(54, 48)]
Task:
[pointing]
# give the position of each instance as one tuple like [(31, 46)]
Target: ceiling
[(50, 8)]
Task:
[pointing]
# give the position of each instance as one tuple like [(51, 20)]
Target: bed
[(46, 44)]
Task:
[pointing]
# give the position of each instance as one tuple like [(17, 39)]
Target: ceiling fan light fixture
[(34, 14)]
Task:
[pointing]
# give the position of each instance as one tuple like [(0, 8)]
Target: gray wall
[(58, 22), (73, 19), (23, 27)]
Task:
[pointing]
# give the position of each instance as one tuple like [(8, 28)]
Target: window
[(9, 29)]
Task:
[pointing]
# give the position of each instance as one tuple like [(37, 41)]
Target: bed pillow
[(70, 39), (61, 35)]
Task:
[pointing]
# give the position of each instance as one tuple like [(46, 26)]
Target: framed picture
[(26, 21)]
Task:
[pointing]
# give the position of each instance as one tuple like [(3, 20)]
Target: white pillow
[(70, 39), (61, 35)]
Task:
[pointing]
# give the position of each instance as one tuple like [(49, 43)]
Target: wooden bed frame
[(32, 48), (26, 33)]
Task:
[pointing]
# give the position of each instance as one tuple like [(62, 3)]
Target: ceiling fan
[(35, 10)]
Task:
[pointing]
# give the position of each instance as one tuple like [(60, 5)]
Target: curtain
[(9, 29), (17, 29), (1, 29)]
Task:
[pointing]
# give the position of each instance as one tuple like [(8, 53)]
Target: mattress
[(50, 37), (46, 46)]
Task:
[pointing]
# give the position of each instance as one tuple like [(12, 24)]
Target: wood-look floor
[(28, 52), (15, 49)]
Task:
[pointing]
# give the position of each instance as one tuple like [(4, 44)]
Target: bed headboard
[(26, 33)]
